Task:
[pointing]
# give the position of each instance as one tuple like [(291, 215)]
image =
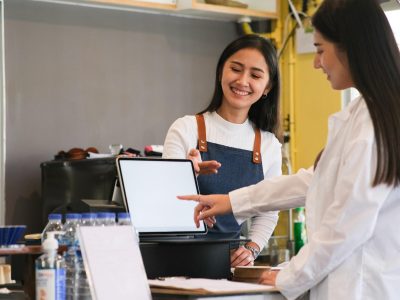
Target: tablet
[(149, 188)]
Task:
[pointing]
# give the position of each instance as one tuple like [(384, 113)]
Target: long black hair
[(361, 29), (264, 113)]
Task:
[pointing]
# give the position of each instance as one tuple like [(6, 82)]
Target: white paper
[(210, 285), (113, 263)]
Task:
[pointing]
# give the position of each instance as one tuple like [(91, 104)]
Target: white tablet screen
[(150, 187)]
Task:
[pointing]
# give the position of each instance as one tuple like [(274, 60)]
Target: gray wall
[(80, 77)]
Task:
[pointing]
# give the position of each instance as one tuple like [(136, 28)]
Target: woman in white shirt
[(352, 197), (236, 132)]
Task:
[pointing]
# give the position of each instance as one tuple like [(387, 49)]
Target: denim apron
[(239, 168)]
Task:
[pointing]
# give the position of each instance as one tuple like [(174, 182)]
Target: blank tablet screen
[(150, 187)]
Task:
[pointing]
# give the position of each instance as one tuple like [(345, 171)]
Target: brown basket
[(230, 3)]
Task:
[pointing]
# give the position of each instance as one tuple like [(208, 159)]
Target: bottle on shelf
[(101, 219), (78, 285), (88, 219), (111, 219), (54, 224), (72, 222), (105, 219), (50, 271), (124, 218), (299, 232), (81, 290)]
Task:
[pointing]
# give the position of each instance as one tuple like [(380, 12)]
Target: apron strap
[(202, 141), (257, 147), (201, 129)]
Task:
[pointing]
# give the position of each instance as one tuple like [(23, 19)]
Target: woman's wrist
[(254, 248)]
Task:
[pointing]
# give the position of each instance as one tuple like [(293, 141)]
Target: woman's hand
[(241, 257), (203, 167), (209, 206), (268, 278), (210, 221)]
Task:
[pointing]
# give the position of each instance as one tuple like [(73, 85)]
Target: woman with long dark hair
[(352, 197), (236, 132)]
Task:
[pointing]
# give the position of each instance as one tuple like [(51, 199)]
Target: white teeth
[(239, 92)]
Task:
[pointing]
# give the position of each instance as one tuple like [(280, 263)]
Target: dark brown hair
[(361, 29)]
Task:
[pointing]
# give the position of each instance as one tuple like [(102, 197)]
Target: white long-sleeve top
[(182, 136), (354, 243)]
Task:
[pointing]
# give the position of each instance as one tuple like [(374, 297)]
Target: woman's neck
[(233, 116)]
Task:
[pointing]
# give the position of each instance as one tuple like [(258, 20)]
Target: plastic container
[(81, 290), (77, 284), (124, 218), (111, 219), (101, 219), (72, 222), (50, 271), (88, 219), (71, 225), (105, 219), (54, 224), (299, 232)]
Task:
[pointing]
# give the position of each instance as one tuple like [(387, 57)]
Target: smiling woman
[(236, 132)]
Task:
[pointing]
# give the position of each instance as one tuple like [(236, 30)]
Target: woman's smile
[(240, 92)]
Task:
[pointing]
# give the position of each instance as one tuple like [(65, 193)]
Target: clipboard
[(113, 263)]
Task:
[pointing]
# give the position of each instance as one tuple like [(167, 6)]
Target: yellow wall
[(308, 98), (314, 101)]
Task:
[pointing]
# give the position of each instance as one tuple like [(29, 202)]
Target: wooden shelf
[(188, 8), (31, 250), (227, 13), (168, 5), (21, 250)]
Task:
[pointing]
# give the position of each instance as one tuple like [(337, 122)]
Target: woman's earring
[(264, 96)]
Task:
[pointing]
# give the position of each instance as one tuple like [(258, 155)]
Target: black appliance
[(65, 183)]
